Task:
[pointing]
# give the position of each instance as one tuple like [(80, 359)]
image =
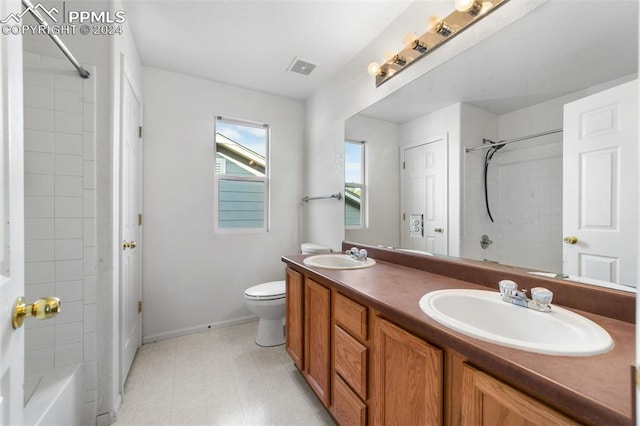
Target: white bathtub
[(54, 398)]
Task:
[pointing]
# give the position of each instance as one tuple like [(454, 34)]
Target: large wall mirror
[(547, 201)]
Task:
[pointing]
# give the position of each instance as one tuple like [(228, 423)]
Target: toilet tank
[(313, 248)]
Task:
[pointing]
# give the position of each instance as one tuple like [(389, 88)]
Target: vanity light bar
[(439, 31)]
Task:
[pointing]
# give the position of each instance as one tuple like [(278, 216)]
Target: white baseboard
[(197, 329)]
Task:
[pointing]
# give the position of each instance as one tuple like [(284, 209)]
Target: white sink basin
[(483, 315), (337, 261)]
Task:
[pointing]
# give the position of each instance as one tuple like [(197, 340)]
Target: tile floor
[(218, 377)]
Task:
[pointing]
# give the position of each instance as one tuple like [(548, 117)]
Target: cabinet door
[(317, 355), (488, 401), (407, 378), (295, 318)]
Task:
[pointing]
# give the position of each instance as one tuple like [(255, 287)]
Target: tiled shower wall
[(60, 218), (529, 207)]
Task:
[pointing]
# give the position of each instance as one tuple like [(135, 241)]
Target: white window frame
[(362, 186), (217, 177)]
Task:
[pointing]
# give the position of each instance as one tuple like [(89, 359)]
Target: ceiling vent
[(302, 66)]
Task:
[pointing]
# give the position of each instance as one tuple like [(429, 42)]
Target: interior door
[(11, 221), (131, 225), (600, 210), (425, 197)]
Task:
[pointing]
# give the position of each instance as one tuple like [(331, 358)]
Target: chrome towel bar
[(337, 196)]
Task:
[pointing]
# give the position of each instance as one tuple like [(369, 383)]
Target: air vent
[(302, 66)]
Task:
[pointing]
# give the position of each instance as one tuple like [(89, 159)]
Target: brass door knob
[(128, 245), (570, 239), (45, 308)]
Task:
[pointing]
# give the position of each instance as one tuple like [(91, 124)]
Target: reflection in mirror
[(548, 71)]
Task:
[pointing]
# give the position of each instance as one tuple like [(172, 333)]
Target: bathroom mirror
[(513, 84)]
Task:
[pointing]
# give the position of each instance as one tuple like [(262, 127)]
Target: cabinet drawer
[(351, 315), (351, 361), (347, 408)]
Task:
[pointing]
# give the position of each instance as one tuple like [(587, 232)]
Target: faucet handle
[(507, 286), (541, 295), (362, 254)]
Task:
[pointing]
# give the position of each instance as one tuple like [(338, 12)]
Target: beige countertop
[(596, 389)]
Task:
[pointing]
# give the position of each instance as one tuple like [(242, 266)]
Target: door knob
[(570, 239), (128, 245), (45, 308), (438, 229)]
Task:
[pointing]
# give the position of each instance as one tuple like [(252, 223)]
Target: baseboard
[(197, 329)]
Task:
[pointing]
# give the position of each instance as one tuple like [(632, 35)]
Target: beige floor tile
[(218, 377)]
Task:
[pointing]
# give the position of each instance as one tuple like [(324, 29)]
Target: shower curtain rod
[(83, 72), (523, 138)]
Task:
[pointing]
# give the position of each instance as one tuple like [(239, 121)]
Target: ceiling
[(252, 43), (561, 47)]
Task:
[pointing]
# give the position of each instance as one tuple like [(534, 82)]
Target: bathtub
[(54, 397)]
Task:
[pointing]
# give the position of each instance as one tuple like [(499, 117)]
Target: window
[(354, 187), (241, 177)]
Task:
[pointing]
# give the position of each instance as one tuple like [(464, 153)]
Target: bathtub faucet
[(356, 254)]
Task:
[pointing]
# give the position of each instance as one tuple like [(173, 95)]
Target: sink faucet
[(356, 254), (541, 297)]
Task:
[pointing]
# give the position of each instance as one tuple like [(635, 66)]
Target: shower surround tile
[(60, 215)]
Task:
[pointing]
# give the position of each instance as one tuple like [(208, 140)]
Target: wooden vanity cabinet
[(317, 339), (367, 370), (487, 401), (294, 343), (407, 378)]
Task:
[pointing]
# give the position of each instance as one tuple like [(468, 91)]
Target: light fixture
[(439, 30)]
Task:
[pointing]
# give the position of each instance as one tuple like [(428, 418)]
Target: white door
[(131, 225), (11, 221), (600, 185), (425, 197)]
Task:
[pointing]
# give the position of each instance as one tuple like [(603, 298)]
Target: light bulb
[(409, 39), (432, 23), (464, 5), (388, 56), (373, 69), (472, 7)]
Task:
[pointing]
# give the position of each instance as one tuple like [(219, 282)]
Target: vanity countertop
[(595, 389)]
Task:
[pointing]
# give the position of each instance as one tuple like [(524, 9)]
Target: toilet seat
[(268, 291)]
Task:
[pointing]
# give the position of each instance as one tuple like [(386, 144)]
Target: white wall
[(383, 180), (193, 278)]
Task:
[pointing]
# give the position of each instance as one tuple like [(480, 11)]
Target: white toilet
[(267, 301)]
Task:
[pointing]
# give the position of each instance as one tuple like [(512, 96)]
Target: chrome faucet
[(540, 301), (356, 254)]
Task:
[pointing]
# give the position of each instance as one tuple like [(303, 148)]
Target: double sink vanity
[(401, 338)]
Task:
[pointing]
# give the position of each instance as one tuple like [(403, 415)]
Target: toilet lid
[(267, 291)]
